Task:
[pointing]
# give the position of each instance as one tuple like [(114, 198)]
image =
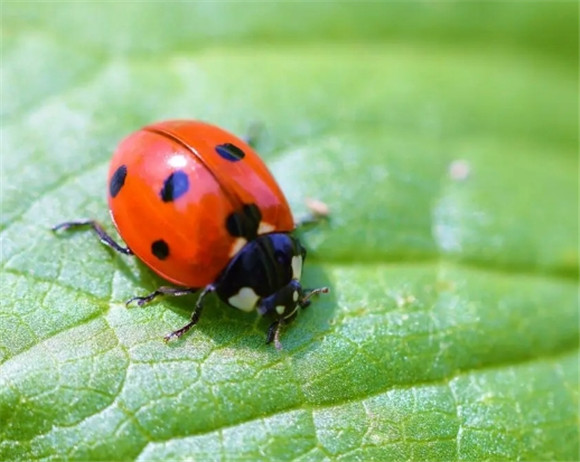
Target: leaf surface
[(443, 138)]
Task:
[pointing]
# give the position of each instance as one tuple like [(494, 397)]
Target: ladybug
[(199, 207)]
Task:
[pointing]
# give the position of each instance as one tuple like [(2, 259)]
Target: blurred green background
[(443, 136)]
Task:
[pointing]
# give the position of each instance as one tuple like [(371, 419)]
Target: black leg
[(164, 290), (285, 299), (194, 316), (97, 228), (270, 333), (274, 334)]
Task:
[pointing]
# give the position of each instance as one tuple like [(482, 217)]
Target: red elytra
[(193, 241)]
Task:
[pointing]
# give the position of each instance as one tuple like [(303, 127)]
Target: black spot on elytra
[(175, 186), (230, 152), (117, 180), (160, 249), (244, 223)]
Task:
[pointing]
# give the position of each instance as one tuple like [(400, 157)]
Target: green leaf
[(444, 139)]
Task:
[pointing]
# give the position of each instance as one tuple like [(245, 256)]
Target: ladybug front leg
[(305, 301), (274, 334), (194, 316), (284, 304), (97, 228), (175, 292), (275, 328)]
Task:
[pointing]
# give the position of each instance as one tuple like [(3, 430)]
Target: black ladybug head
[(261, 268)]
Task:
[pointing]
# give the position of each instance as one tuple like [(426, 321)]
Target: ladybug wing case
[(186, 197), (241, 173)]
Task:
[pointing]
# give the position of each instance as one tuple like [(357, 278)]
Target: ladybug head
[(284, 303), (266, 270), (265, 276)]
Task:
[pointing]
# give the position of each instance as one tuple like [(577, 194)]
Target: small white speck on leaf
[(459, 170)]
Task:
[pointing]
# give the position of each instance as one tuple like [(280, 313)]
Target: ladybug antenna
[(309, 293)]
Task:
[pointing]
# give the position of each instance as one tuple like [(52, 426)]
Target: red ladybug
[(199, 207)]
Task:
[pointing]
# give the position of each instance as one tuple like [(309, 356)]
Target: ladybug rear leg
[(97, 228)]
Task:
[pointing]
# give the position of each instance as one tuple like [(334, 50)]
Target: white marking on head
[(245, 300), (295, 296), (237, 246), (265, 228), (280, 309), (297, 267)]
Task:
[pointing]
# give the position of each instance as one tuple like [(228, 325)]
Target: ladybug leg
[(274, 334), (275, 328), (308, 293), (164, 290), (194, 316), (97, 228), (284, 305)]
